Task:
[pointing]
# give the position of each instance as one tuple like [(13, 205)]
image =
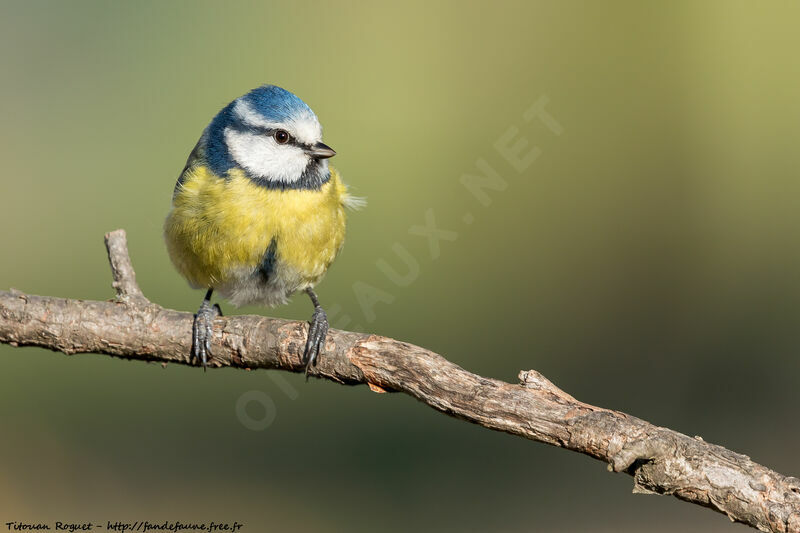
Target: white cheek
[(261, 156)]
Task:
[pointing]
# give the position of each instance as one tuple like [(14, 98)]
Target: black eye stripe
[(269, 132)]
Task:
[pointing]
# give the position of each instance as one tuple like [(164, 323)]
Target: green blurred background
[(646, 261)]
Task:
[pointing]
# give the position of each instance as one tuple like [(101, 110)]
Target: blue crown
[(276, 104)]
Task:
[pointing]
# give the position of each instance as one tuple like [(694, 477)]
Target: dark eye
[(281, 136)]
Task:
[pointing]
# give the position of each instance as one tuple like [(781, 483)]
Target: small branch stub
[(121, 267)]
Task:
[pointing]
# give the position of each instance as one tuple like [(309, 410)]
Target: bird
[(257, 212)]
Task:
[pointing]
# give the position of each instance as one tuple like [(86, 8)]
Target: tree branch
[(660, 460)]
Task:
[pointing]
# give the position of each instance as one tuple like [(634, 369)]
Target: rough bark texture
[(660, 460)]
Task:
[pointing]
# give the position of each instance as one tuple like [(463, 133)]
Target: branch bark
[(661, 460)]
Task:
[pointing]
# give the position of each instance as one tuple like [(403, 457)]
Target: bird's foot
[(317, 332), (203, 331)]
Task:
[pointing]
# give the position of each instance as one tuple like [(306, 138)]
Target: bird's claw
[(203, 332), (317, 331)]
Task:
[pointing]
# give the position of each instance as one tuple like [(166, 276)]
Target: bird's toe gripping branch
[(203, 331), (317, 331)]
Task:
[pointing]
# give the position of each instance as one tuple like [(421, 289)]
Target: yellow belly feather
[(218, 227)]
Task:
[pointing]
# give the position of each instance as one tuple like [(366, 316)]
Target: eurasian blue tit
[(257, 213)]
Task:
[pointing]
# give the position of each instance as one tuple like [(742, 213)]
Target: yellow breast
[(220, 227)]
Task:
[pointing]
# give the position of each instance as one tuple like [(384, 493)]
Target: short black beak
[(322, 151)]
